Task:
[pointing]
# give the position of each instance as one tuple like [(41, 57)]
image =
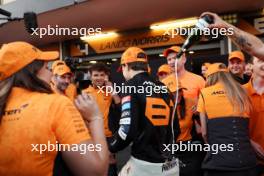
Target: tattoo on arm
[(241, 40), (247, 42)]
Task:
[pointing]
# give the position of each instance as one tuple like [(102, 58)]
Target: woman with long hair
[(36, 124), (224, 108)]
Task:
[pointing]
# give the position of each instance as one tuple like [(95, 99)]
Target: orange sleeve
[(201, 106), (68, 124), (71, 92), (202, 84)]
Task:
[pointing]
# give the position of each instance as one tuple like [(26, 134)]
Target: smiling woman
[(31, 114)]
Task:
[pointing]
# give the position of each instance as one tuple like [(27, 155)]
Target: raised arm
[(95, 160), (247, 42)]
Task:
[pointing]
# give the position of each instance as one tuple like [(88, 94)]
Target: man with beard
[(62, 77)]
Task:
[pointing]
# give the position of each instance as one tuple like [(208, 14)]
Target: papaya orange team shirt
[(36, 118), (217, 104), (192, 82), (186, 123), (71, 91), (256, 122), (104, 102)]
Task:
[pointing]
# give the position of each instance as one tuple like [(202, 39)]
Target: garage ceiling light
[(187, 22)]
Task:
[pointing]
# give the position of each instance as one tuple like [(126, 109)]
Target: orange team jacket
[(104, 102), (33, 118)]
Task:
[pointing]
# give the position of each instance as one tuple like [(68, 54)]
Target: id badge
[(171, 168)]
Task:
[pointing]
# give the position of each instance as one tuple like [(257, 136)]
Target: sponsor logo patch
[(125, 121), (126, 106), (126, 99), (125, 113)]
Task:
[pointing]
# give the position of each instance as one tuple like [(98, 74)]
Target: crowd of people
[(39, 104)]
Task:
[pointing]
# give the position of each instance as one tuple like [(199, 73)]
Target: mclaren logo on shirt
[(220, 92), (149, 83)]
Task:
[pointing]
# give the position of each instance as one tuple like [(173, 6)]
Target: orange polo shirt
[(104, 102), (192, 82), (71, 91), (36, 118), (256, 123), (186, 123)]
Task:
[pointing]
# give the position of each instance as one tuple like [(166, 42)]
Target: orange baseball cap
[(57, 63), (61, 70), (164, 68), (132, 54), (16, 55), (236, 54), (214, 68), (174, 49)]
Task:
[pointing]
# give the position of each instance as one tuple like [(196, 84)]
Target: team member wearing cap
[(62, 84), (224, 108), (53, 65), (255, 89), (163, 71), (100, 83), (145, 120), (192, 82), (191, 161), (62, 79), (236, 66), (30, 114)]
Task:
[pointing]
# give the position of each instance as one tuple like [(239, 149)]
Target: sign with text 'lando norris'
[(119, 42)]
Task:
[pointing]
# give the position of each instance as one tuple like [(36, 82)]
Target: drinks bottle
[(196, 33)]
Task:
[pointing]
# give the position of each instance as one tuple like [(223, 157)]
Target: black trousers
[(191, 163), (249, 172)]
